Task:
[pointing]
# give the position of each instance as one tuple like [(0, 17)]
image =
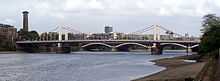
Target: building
[(55, 36), (101, 36), (108, 29), (8, 36), (80, 36), (8, 32), (132, 37), (49, 36)]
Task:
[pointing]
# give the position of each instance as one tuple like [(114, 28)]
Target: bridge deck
[(70, 41)]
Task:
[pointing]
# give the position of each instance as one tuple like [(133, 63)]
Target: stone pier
[(156, 50)]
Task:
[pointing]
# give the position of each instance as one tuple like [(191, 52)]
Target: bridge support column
[(80, 48), (59, 39), (114, 49), (62, 49), (59, 45), (156, 32), (66, 36), (188, 50), (156, 50)]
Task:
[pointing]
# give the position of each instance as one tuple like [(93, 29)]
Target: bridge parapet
[(69, 41)]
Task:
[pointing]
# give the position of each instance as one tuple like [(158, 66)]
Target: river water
[(80, 66)]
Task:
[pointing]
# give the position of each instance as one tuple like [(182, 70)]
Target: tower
[(108, 29), (25, 20)]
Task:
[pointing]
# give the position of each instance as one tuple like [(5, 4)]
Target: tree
[(210, 40), (145, 37), (25, 35), (22, 35), (33, 35)]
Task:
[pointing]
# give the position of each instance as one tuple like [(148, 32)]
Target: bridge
[(114, 44)]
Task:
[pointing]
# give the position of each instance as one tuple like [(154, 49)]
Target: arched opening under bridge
[(97, 47), (195, 48), (128, 47), (173, 48)]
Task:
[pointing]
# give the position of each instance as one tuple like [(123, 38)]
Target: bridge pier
[(114, 49), (188, 50), (81, 49), (62, 49), (156, 50)]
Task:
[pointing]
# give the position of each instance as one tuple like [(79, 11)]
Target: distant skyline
[(182, 16)]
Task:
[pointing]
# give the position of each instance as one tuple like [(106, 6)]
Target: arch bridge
[(114, 43), (156, 46)]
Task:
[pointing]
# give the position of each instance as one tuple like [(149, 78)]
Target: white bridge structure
[(156, 29), (156, 45)]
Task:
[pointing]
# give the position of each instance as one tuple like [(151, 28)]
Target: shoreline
[(177, 69)]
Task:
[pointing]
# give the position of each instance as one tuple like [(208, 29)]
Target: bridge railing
[(46, 37)]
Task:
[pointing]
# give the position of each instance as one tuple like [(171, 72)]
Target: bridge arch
[(90, 44), (131, 44), (176, 44), (194, 46)]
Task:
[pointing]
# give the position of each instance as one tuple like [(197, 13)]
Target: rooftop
[(25, 12), (5, 25)]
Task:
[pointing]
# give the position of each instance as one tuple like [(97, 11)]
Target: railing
[(111, 39)]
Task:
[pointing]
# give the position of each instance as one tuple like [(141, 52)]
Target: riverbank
[(178, 69)]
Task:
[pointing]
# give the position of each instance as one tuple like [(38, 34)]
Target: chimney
[(25, 20)]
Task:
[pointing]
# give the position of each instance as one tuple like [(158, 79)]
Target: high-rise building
[(25, 20), (108, 29)]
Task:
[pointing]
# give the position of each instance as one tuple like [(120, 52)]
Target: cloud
[(130, 7), (93, 14)]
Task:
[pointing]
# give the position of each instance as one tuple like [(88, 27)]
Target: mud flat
[(178, 69)]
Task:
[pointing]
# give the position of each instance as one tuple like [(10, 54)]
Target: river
[(79, 66)]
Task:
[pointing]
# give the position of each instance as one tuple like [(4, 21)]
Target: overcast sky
[(182, 16)]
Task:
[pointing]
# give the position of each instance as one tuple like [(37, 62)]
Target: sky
[(181, 16)]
